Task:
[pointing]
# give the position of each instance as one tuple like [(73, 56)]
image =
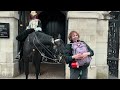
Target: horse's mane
[(40, 37)]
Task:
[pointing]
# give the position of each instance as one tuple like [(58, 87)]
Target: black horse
[(36, 45)]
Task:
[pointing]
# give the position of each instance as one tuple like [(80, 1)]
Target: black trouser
[(22, 36), (80, 73)]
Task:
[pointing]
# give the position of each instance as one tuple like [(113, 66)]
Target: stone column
[(101, 45), (9, 46), (92, 28)]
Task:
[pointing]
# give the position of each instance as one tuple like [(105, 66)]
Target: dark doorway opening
[(54, 23)]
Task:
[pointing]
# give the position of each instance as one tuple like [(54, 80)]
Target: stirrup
[(18, 56)]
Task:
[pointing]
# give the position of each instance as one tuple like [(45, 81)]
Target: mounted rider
[(33, 26)]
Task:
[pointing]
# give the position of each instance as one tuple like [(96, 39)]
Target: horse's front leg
[(26, 63), (36, 62)]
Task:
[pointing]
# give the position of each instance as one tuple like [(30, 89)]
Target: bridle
[(44, 57)]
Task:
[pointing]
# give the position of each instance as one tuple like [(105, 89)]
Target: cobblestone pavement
[(112, 77), (48, 71)]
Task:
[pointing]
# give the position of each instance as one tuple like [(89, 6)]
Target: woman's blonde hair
[(33, 14), (71, 33)]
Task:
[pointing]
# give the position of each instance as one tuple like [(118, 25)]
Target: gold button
[(33, 49), (21, 25)]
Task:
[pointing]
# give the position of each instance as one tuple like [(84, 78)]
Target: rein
[(46, 49)]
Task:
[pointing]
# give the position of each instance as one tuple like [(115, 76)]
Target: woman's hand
[(77, 56), (80, 56), (84, 55)]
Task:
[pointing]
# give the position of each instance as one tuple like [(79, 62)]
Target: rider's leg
[(22, 36)]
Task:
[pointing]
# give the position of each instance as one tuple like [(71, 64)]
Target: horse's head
[(59, 48)]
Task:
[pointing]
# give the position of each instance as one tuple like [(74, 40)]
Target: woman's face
[(75, 37)]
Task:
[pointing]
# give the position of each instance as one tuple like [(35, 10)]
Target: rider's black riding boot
[(22, 36)]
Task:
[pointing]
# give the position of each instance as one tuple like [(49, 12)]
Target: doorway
[(54, 23)]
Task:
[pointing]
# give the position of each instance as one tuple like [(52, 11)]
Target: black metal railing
[(113, 44)]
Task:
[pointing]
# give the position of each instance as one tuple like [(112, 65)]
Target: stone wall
[(8, 46)]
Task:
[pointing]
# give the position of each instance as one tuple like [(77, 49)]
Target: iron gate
[(113, 44)]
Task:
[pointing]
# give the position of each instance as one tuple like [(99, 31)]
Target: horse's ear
[(59, 36)]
